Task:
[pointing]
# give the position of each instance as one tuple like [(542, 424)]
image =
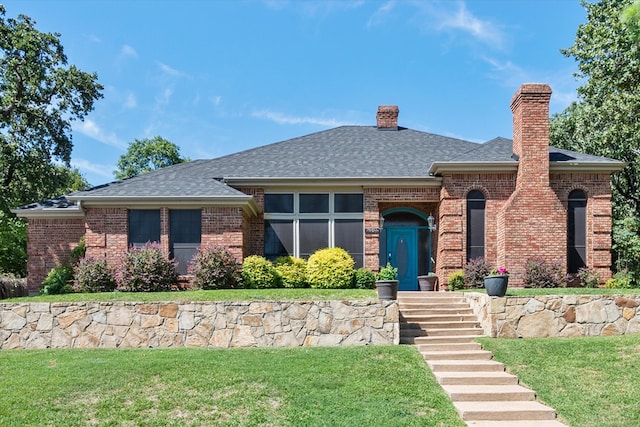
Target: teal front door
[(402, 253)]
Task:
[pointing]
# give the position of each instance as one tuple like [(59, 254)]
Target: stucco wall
[(202, 324), (557, 316)]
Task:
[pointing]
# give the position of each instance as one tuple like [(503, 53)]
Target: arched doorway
[(405, 242)]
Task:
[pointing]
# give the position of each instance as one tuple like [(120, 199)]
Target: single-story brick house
[(424, 202)]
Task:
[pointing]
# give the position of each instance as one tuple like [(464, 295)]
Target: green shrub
[(259, 273), (94, 275), (12, 287), (455, 280), (365, 278), (388, 272), (621, 280), (330, 268), (292, 271), (475, 271), (58, 281), (215, 268), (146, 269), (78, 252), (542, 274), (589, 278)]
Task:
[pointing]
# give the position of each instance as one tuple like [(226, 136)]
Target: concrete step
[(541, 423), (476, 378), (504, 411), (415, 303), (419, 311), (465, 366), (440, 325), (437, 318), (449, 346), (410, 331), (445, 339), (458, 355), (488, 393), (428, 295)]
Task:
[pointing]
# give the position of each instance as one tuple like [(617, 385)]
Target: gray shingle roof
[(360, 152)]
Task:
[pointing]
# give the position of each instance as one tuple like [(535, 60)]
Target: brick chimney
[(387, 117), (530, 108), (532, 222)]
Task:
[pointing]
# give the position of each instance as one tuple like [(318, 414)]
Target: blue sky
[(217, 77)]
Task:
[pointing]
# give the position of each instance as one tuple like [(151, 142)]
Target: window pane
[(278, 203), (144, 226), (314, 235), (475, 225), (349, 235), (278, 239), (184, 236), (185, 226), (314, 203), (576, 231), (348, 203)]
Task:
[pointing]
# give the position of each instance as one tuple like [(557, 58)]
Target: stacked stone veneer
[(198, 324), (557, 316)]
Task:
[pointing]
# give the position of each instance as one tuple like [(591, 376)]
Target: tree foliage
[(145, 155), (40, 95), (605, 120)]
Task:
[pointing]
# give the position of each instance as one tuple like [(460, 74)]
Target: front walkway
[(444, 328)]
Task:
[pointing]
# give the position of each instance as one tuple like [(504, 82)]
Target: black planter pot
[(427, 283), (387, 289), (496, 286)]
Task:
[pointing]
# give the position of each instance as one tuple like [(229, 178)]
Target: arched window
[(475, 224), (576, 231)]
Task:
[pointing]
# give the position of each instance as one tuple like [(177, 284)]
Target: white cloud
[(170, 70), (92, 130), (216, 100), (130, 101), (127, 50), (381, 13), (465, 21), (284, 119), (98, 169), (165, 97)]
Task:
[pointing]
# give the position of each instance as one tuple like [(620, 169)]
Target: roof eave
[(438, 168), (602, 167), (390, 181), (57, 213)]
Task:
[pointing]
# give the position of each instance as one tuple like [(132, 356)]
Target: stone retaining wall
[(557, 316), (199, 324)]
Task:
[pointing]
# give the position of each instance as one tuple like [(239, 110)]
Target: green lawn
[(590, 381), (341, 386), (216, 295)]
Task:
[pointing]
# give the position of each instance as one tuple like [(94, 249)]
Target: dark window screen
[(314, 235), (475, 224), (314, 203), (144, 226), (349, 236), (348, 203), (185, 233), (278, 239), (577, 231), (278, 203)]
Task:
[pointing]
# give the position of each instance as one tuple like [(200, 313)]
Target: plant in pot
[(496, 282), (428, 282), (387, 283)]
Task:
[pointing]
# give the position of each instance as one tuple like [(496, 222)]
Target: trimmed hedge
[(330, 268)]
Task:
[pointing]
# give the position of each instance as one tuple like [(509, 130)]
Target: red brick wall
[(107, 233), (223, 226), (254, 229), (49, 243)]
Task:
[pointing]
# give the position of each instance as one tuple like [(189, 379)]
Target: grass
[(340, 386), (215, 295), (591, 382), (525, 292)]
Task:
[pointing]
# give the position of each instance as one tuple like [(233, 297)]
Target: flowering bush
[(542, 274), (589, 278), (501, 271), (475, 271), (215, 268), (146, 269), (94, 275)]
